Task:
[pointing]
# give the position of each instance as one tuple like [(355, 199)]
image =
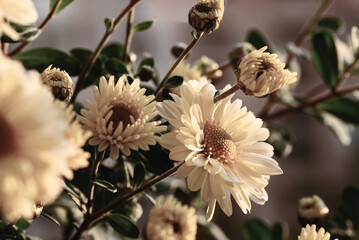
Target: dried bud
[(146, 73), (59, 82), (178, 48), (240, 50), (312, 210), (206, 15), (261, 73)]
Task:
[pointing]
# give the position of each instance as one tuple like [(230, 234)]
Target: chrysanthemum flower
[(120, 117), (33, 146), (222, 145), (170, 220), (261, 73), (310, 233), (19, 11)]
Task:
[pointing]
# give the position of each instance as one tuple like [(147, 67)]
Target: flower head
[(261, 73), (170, 220), (312, 210), (33, 146), (19, 11), (310, 233), (59, 82), (222, 146), (120, 117)]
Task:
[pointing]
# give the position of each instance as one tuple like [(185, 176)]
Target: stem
[(128, 35), (230, 91), (221, 67), (263, 113), (347, 73), (6, 229), (92, 219), (99, 47), (91, 190), (178, 61), (4, 47), (48, 18)]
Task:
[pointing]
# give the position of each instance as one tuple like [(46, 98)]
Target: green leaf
[(115, 67), (22, 224), (256, 229), (41, 58), (49, 216), (281, 139), (343, 108), (329, 23), (257, 40), (12, 233), (113, 50), (142, 26), (123, 225), (325, 57), (139, 174), (27, 33), (76, 195), (63, 4), (174, 82), (149, 61), (105, 185)]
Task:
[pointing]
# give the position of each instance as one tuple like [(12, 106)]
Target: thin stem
[(4, 47), (347, 73), (91, 189), (48, 18), (221, 67), (6, 229), (263, 113), (130, 17), (178, 61), (92, 219), (99, 48), (230, 91)]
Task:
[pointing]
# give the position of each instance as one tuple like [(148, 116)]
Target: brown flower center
[(217, 143), (120, 114), (265, 66), (7, 138)]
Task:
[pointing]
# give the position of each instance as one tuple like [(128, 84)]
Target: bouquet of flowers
[(89, 166)]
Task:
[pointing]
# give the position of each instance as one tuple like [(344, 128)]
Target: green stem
[(99, 48), (178, 61), (128, 35), (49, 16)]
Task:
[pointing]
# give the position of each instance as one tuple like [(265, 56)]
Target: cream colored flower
[(261, 73), (222, 145), (170, 220), (59, 82), (77, 136), (120, 117), (33, 146), (20, 12), (206, 65), (310, 233)]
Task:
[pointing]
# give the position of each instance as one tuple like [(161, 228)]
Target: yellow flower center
[(120, 114), (7, 138), (217, 143)]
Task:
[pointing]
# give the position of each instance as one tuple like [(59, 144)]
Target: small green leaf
[(27, 33), (174, 82), (149, 61), (281, 139), (22, 224), (329, 23), (343, 108), (139, 174), (63, 4), (123, 225), (115, 67), (325, 57), (256, 229), (109, 24), (218, 92), (41, 58), (105, 185), (113, 50), (49, 216), (257, 40), (142, 26)]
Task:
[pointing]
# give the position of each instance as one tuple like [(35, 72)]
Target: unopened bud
[(178, 48), (208, 67), (240, 50), (312, 210), (206, 15), (38, 209), (146, 73), (59, 82)]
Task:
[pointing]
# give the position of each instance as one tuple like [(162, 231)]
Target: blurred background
[(319, 164)]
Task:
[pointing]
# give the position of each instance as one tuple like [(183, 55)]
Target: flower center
[(265, 66), (120, 114), (217, 143), (7, 138)]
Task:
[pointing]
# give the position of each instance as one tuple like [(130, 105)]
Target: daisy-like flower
[(20, 12), (310, 233), (261, 73), (170, 220), (222, 145), (33, 146), (120, 117)]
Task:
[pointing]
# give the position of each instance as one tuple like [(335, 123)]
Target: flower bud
[(206, 15), (312, 210), (261, 73), (240, 50), (146, 73), (178, 48), (59, 82), (206, 65), (38, 209)]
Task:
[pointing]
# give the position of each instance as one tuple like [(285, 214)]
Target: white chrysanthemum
[(120, 117), (33, 147), (310, 233), (20, 12), (170, 220), (222, 145), (261, 73)]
